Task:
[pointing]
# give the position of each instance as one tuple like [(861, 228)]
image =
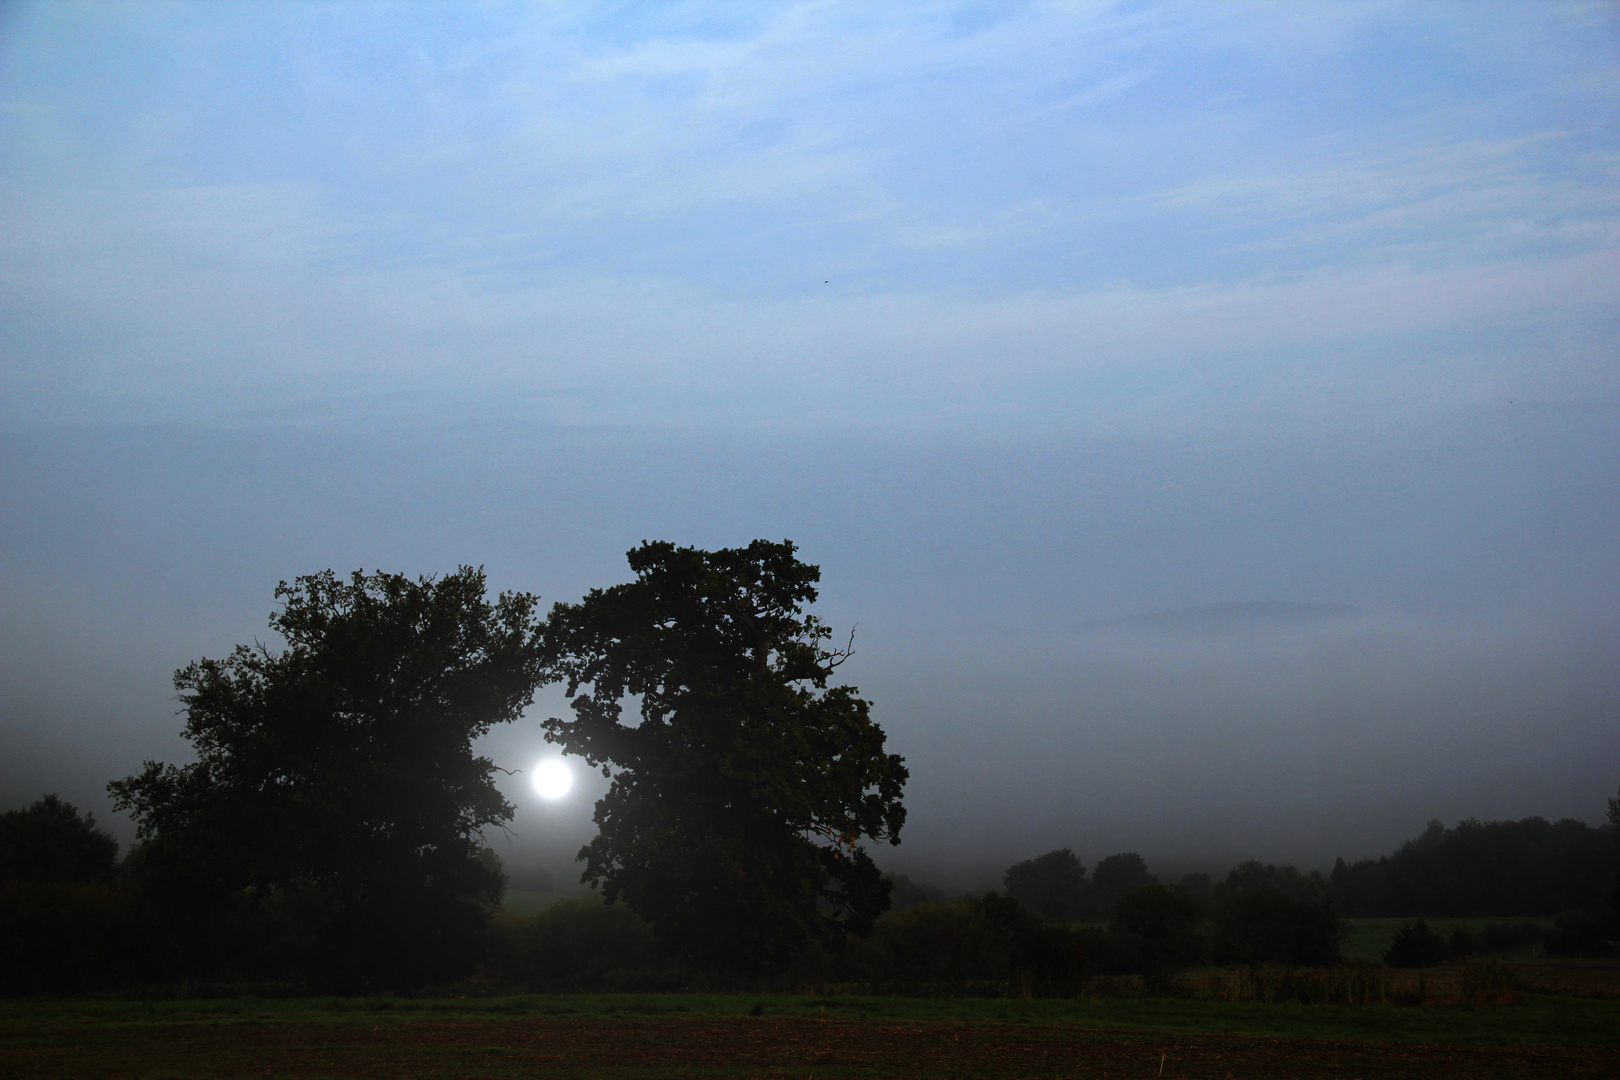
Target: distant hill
[(1243, 616)]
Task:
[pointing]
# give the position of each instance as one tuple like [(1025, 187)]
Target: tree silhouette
[(336, 778), (1415, 946), (64, 924), (1051, 886), (1115, 876), (50, 841), (744, 784)]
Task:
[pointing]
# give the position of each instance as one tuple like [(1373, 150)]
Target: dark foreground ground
[(748, 1047), (700, 1036)]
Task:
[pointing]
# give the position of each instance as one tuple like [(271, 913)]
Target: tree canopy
[(340, 769), (1477, 869), (51, 841), (1051, 886), (1115, 876), (743, 784)]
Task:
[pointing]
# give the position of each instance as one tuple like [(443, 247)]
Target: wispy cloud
[(811, 212), (1466, 200), (253, 289)]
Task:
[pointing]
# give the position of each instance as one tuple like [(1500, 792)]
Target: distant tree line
[(73, 917), (1526, 868), (1531, 868)]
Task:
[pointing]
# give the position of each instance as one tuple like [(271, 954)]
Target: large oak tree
[(743, 784), (336, 778)]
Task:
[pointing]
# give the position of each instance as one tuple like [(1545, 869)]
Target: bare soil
[(604, 1047)]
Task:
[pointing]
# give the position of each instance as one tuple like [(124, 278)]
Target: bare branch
[(838, 656)]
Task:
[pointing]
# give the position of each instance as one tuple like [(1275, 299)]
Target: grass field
[(1368, 938), (694, 1035)]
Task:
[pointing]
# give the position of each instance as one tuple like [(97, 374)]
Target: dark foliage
[(577, 944), (743, 788), (65, 922), (1613, 896), (1265, 926), (330, 825), (1521, 869), (905, 893), (988, 945), (1579, 933), (1416, 946), (1254, 876), (1113, 877), (67, 937), (1052, 886), (1165, 920), (1198, 885), (50, 841), (1492, 938)]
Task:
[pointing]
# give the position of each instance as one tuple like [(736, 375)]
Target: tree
[(49, 841), (744, 785), (1254, 875), (1051, 886), (1523, 869), (336, 778), (905, 893), (1614, 825), (64, 924), (1114, 877), (1415, 946)]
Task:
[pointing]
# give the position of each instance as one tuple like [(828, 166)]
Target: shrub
[(990, 945), (929, 943), (1415, 946), (575, 944), (1578, 933)]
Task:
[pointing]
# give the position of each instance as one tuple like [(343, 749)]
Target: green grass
[(1535, 1019), (1370, 937)]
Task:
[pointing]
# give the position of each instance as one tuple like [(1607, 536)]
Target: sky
[(1024, 321)]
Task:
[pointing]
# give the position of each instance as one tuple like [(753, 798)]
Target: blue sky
[(1085, 218), (1020, 318)]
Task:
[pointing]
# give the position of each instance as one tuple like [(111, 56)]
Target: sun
[(552, 779)]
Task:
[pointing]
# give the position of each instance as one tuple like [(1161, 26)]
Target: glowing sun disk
[(552, 779)]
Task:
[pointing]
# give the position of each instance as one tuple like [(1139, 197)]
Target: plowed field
[(735, 1047)]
